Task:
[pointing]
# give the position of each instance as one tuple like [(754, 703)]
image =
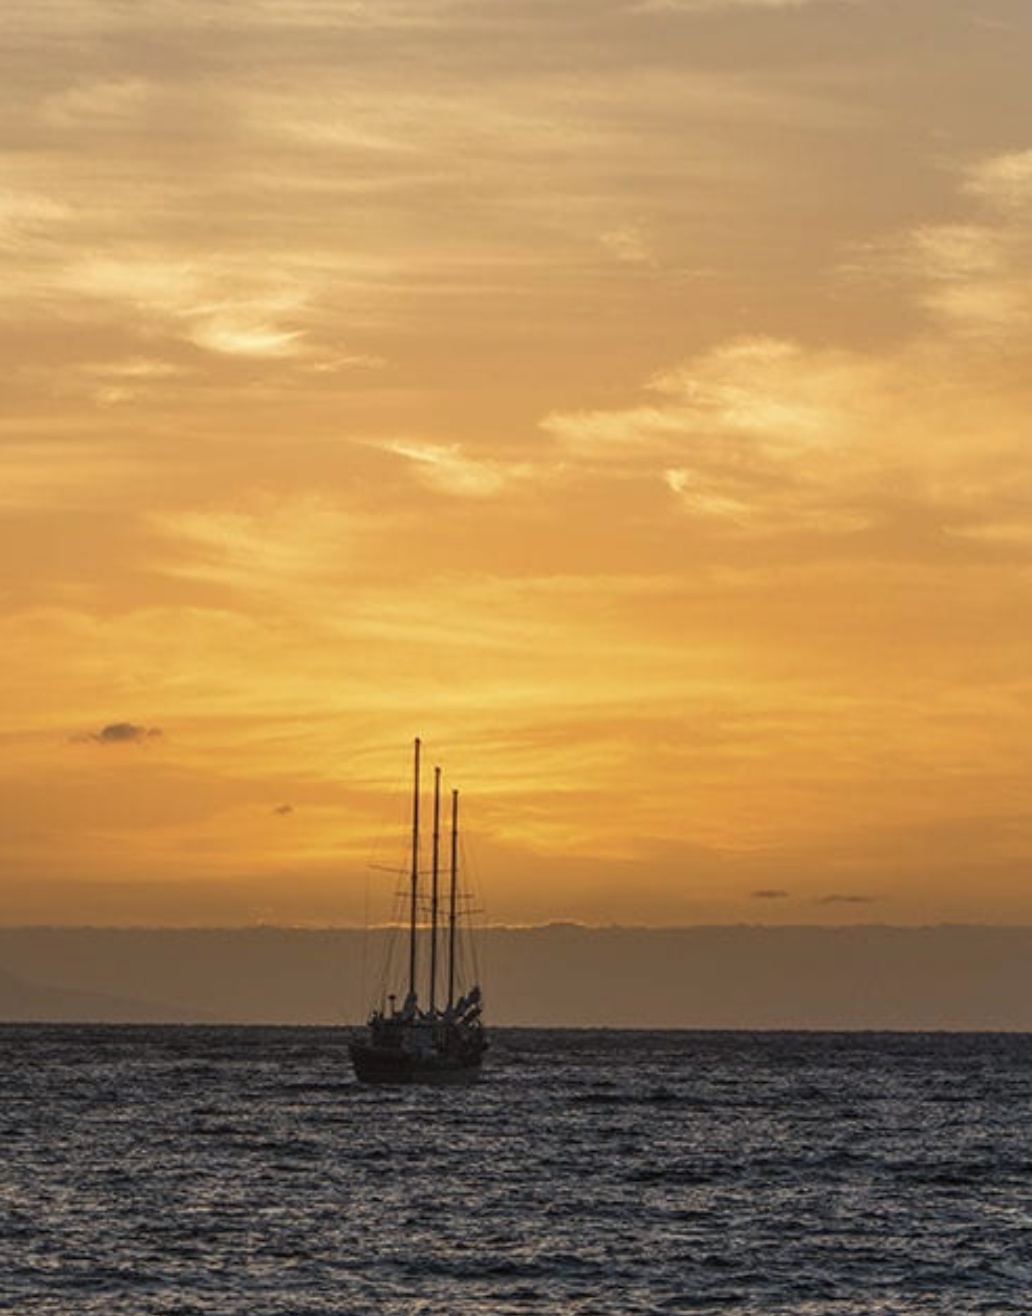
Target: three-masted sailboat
[(443, 1039)]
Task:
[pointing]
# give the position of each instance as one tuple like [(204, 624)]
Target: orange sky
[(631, 397)]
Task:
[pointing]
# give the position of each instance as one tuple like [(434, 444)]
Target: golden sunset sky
[(631, 397)]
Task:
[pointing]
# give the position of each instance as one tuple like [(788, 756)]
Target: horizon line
[(551, 925)]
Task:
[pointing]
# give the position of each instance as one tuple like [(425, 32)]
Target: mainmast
[(413, 901), (451, 896), (433, 890)]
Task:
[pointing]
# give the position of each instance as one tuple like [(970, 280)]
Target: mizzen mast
[(451, 896), (433, 890), (414, 896)]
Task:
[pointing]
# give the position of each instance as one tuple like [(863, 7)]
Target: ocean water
[(241, 1171)]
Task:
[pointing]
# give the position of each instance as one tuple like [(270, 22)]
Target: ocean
[(241, 1171)]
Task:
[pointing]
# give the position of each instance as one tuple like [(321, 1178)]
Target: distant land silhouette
[(950, 977), (22, 1000)]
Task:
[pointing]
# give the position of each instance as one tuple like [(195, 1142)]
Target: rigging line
[(365, 944), (475, 908), (377, 965)]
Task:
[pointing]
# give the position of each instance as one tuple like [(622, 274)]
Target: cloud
[(765, 436), (628, 245), (756, 435), (770, 390), (234, 336), (974, 279), (217, 303), (263, 545), (971, 277), (387, 14), (119, 733), (771, 894), (1005, 181), (721, 6), (848, 899), (39, 475), (142, 279), (25, 216), (283, 810), (447, 468), (134, 368), (956, 251), (350, 361)]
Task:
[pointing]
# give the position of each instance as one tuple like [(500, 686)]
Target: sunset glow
[(630, 397)]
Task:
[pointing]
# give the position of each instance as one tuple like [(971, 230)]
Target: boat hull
[(374, 1064)]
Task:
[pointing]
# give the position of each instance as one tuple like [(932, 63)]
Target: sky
[(630, 397)]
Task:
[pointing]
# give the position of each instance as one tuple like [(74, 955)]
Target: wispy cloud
[(1005, 181), (449, 469), (25, 217), (210, 303), (236, 336), (724, 6), (971, 276), (756, 433), (759, 388), (347, 361), (628, 244), (272, 545), (71, 473)]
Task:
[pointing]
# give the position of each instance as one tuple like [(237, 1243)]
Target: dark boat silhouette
[(442, 1041)]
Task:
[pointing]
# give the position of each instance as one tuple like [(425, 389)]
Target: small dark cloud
[(118, 733), (768, 895), (837, 899), (283, 809)]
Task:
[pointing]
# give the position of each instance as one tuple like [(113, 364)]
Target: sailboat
[(440, 1039)]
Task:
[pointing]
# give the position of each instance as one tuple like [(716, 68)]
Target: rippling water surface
[(241, 1170)]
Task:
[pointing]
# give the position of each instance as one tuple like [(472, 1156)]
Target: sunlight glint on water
[(242, 1171)]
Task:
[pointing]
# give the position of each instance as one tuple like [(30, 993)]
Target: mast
[(433, 890), (415, 876), (451, 896)]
